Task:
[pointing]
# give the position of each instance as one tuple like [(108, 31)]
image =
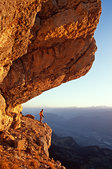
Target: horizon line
[(84, 107)]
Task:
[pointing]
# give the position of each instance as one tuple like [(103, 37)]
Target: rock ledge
[(27, 147)]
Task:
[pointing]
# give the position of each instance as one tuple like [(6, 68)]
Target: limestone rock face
[(43, 44), (27, 147), (5, 120), (16, 114), (10, 117), (46, 43)]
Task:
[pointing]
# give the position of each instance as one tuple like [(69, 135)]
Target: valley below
[(81, 137), (87, 126)]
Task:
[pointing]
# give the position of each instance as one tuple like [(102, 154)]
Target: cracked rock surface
[(27, 147), (44, 43)]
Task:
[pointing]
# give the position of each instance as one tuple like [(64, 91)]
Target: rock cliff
[(74, 156), (43, 44), (27, 147)]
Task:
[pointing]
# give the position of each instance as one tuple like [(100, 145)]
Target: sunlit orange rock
[(27, 147), (44, 44)]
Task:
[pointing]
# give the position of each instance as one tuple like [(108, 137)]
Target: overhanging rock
[(44, 44)]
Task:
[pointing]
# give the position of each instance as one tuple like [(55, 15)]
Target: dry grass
[(1, 148), (33, 164), (50, 164), (45, 160), (15, 166), (9, 165), (4, 164)]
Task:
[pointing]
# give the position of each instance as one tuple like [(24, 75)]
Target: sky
[(93, 89)]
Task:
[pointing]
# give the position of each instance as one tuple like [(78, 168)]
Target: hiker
[(41, 115)]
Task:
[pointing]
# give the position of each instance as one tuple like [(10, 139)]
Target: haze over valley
[(88, 126)]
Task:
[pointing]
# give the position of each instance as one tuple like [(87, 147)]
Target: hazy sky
[(93, 89)]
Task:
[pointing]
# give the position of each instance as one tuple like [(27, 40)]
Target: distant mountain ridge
[(88, 126), (72, 156)]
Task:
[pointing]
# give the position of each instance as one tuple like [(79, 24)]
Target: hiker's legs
[(41, 119)]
